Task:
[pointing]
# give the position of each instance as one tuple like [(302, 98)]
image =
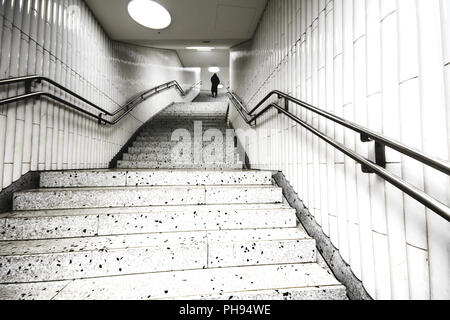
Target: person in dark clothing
[(215, 81)]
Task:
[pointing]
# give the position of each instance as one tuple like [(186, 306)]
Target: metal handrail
[(417, 194), (126, 109), (438, 164)]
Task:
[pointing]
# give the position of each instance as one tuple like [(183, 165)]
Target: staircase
[(173, 221)]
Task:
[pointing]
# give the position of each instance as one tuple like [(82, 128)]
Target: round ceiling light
[(149, 14), (214, 69)]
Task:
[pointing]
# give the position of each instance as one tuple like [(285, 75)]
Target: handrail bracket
[(28, 86), (380, 153), (285, 105)]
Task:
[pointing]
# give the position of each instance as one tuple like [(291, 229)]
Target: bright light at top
[(149, 14), (200, 48), (214, 69)]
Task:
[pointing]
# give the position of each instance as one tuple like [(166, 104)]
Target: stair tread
[(257, 235), (143, 210), (178, 284), (72, 189), (115, 242), (152, 177)]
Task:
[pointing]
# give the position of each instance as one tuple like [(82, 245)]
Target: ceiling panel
[(223, 22), (192, 58), (235, 20)]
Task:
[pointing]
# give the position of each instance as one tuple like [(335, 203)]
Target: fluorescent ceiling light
[(214, 69), (200, 48), (149, 14)]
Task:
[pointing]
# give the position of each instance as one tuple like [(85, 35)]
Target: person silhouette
[(215, 81)]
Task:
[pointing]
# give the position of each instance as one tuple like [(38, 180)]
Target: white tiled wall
[(384, 64), (61, 39)]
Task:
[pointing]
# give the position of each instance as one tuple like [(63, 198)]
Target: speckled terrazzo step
[(118, 178), (167, 149), (176, 137), (174, 165), (167, 124), (169, 130), (76, 258), (73, 198), (171, 144), (32, 225), (172, 126), (166, 156), (200, 108), (292, 281), (175, 134), (191, 117)]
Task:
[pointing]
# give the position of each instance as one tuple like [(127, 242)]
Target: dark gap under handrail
[(415, 193)]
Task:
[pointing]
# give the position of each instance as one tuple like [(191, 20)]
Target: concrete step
[(120, 178), (196, 108), (71, 223), (169, 129), (177, 137), (231, 248), (189, 125), (166, 144), (185, 136), (191, 116), (173, 132), (74, 198), (177, 165), (290, 281), (166, 156), (77, 258), (166, 148)]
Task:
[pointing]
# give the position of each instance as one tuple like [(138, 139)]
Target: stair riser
[(169, 131), (325, 293), (63, 266), (116, 224), (166, 128), (231, 254), (136, 197), (153, 127), (198, 283), (190, 116), (168, 157), (48, 227), (168, 149), (180, 144), (175, 138), (187, 121), (189, 256), (151, 178), (183, 165)]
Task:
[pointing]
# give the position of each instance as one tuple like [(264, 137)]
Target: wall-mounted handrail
[(437, 164), (125, 109), (428, 201)]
